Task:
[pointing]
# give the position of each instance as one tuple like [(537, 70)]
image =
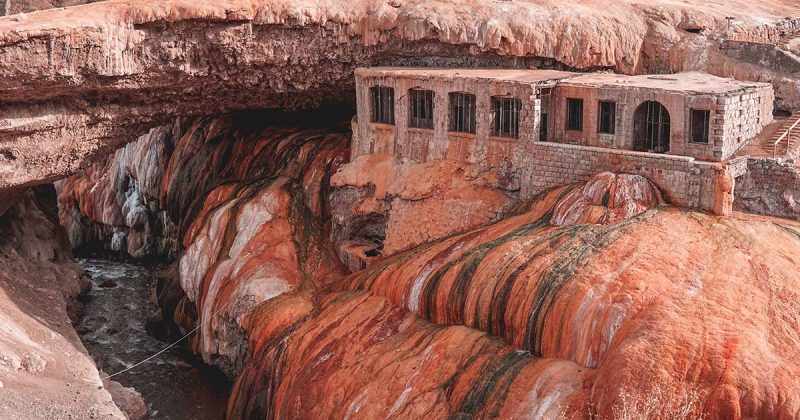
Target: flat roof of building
[(500, 75), (696, 82), (686, 82)]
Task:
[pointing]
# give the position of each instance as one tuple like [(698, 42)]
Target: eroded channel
[(174, 385)]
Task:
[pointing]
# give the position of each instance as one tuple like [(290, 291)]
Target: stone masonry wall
[(739, 118), (685, 181), (770, 187), (422, 145), (735, 118)]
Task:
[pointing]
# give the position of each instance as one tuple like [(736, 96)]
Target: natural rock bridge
[(79, 82)]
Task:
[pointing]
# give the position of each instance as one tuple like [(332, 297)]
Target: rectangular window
[(462, 112), (575, 114), (382, 104), (606, 117), (421, 108), (505, 114), (699, 122)]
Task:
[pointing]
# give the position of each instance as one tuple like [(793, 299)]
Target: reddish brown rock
[(653, 305), (255, 222), (607, 198), (403, 204), (44, 369), (360, 357)]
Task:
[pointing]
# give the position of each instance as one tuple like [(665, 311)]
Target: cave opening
[(127, 219)]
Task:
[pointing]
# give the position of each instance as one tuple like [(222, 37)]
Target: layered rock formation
[(607, 198), (258, 239), (610, 320), (45, 372), (78, 82), (634, 303), (115, 204), (142, 199)]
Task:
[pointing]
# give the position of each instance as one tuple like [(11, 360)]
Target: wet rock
[(607, 198), (127, 399), (108, 284)]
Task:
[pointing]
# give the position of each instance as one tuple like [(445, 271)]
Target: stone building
[(553, 127), (686, 114), (479, 116)]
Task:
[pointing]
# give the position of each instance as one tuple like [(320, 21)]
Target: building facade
[(552, 127)]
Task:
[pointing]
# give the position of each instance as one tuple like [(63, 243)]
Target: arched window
[(651, 128)]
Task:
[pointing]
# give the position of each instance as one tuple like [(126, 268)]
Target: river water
[(173, 385)]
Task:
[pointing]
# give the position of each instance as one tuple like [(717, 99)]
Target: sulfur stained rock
[(114, 204), (384, 362), (256, 226), (654, 305), (143, 198), (607, 198)]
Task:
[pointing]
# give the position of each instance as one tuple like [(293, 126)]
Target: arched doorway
[(651, 128)]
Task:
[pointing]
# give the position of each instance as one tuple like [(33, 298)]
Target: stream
[(174, 385)]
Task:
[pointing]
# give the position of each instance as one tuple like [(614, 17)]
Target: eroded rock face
[(44, 369), (76, 83), (115, 204), (260, 233), (383, 361), (143, 199), (381, 205)]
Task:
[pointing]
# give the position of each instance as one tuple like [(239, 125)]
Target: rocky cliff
[(45, 372), (594, 298), (81, 81)]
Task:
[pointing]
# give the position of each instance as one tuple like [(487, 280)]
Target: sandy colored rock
[(45, 370), (409, 203), (127, 399)]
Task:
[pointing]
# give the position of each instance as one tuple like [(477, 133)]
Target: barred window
[(382, 104), (505, 112), (606, 116), (462, 112), (699, 123), (421, 108), (575, 114)]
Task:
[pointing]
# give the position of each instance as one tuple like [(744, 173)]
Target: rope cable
[(169, 346)]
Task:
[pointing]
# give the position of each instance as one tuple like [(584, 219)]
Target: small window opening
[(574, 114), (699, 122), (505, 112), (462, 112), (543, 128), (382, 104), (421, 108), (606, 117)]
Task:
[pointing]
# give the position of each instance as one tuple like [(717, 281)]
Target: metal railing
[(786, 134)]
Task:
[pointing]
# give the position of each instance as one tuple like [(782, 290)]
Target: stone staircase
[(786, 139)]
